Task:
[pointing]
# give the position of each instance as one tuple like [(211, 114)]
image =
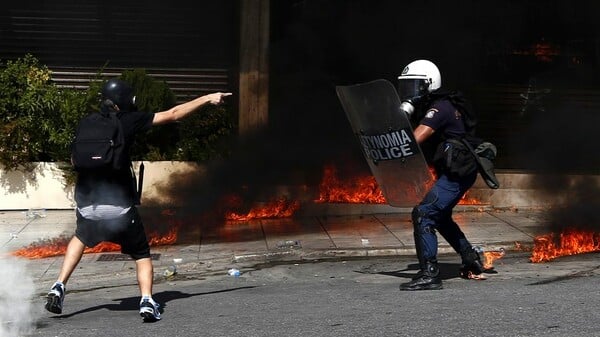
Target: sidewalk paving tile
[(358, 232), (400, 225), (531, 222), (307, 232), (375, 234), (481, 228)]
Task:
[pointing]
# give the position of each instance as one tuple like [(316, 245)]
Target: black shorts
[(126, 230)]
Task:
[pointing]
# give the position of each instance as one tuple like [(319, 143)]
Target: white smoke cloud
[(17, 315)]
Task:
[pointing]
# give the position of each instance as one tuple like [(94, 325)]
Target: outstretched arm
[(182, 110)]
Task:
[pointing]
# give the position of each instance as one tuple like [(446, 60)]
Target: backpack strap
[(140, 184)]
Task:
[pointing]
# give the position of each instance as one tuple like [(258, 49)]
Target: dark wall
[(160, 34), (530, 67)]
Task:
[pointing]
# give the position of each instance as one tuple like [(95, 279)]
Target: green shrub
[(29, 104), (152, 96), (73, 104), (203, 135)]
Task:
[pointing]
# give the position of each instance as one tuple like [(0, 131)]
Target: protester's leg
[(56, 295), (72, 257), (145, 275), (136, 245), (149, 309)]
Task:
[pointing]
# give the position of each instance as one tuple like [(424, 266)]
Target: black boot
[(471, 263), (427, 279)]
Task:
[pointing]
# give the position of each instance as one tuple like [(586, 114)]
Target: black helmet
[(117, 92)]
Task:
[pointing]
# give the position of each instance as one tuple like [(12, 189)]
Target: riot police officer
[(444, 118)]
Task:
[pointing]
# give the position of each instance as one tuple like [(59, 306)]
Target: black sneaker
[(428, 279), (55, 298), (149, 310)]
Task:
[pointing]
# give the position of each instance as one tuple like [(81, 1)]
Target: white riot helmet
[(418, 79)]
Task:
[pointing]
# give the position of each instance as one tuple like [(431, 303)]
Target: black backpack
[(99, 143), (470, 152)]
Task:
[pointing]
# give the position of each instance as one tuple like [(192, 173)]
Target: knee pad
[(418, 223), (416, 216)]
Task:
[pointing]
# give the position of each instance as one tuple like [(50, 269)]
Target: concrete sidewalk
[(241, 245)]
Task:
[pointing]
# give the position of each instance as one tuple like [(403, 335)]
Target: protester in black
[(106, 200)]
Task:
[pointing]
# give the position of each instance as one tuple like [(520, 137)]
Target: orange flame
[(570, 242), (519, 246), (360, 190), (542, 50), (46, 248), (363, 189), (490, 257), (58, 246), (156, 239), (469, 201), (280, 208)]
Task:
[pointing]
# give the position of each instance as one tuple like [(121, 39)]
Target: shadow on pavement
[(132, 303), (447, 271)]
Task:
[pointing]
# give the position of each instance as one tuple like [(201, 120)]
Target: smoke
[(261, 169), (17, 316), (580, 210), (554, 134), (557, 144), (257, 165), (550, 134)]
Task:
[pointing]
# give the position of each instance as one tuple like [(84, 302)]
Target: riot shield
[(387, 141)]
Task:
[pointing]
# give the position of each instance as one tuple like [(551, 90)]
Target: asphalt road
[(354, 297)]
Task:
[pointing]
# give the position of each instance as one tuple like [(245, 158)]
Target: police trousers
[(434, 213)]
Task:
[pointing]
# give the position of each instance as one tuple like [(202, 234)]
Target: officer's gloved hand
[(408, 108)]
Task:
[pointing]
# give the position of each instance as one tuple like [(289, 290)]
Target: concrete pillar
[(254, 65)]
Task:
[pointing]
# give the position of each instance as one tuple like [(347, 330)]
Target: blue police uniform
[(434, 213), (435, 210)]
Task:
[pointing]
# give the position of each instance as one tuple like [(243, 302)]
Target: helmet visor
[(410, 88)]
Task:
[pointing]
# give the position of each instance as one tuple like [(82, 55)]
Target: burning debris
[(360, 190), (570, 242), (58, 246), (575, 226), (280, 208), (489, 257)]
